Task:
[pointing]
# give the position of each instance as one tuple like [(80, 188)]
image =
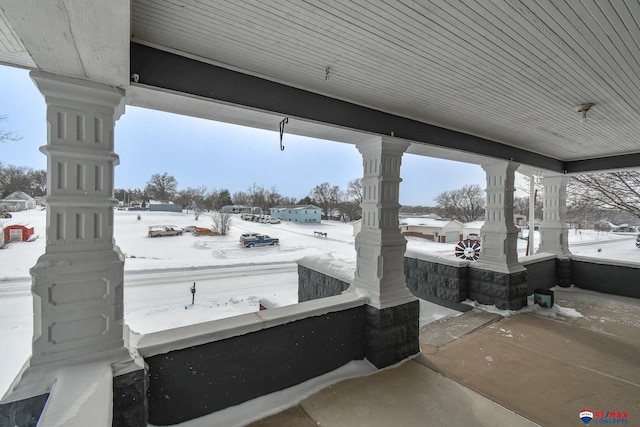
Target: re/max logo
[(611, 414)]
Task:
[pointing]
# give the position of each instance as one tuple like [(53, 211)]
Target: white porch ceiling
[(504, 70), (508, 71)]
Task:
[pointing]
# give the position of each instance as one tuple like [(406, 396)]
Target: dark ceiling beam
[(626, 161), (165, 70)]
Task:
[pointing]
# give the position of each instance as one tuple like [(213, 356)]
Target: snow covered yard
[(230, 279)]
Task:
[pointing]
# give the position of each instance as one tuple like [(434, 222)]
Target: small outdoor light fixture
[(582, 110)]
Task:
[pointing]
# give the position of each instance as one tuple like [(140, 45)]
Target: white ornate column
[(392, 312), (499, 234), (78, 282), (498, 277), (554, 231), (380, 246)]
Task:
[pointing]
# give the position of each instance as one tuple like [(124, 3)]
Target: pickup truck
[(164, 230), (260, 240)]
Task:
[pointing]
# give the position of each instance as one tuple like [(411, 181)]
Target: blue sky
[(218, 155)]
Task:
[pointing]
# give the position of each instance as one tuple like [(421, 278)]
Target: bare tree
[(223, 199), (14, 178), (241, 198), (521, 205), (194, 199), (327, 197), (609, 191), (38, 183), (161, 187), (466, 204), (355, 191), (6, 135), (306, 200), (220, 222), (258, 196)]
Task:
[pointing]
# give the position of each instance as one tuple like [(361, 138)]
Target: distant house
[(136, 205), (438, 230), (17, 201), (472, 227), (520, 220), (297, 213), (239, 209), (17, 232), (164, 206)]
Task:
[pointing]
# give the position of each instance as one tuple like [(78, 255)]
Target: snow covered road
[(156, 300), (160, 301)]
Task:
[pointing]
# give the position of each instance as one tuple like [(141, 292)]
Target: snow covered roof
[(429, 222), (17, 196), (431, 215), (14, 224), (292, 207), (473, 224)]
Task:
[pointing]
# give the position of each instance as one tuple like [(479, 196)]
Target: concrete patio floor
[(482, 369)]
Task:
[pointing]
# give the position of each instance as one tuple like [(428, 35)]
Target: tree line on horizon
[(330, 198), (613, 196)]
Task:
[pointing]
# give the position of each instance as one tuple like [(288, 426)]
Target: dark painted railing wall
[(447, 284), (188, 383), (611, 278)]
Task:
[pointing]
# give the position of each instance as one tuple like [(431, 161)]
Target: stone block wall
[(314, 284), (449, 282), (433, 281), (506, 291), (391, 334)]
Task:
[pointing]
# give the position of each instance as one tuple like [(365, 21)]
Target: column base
[(108, 389), (508, 291), (563, 272), (392, 334)]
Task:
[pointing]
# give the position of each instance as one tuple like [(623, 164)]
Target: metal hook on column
[(282, 123)]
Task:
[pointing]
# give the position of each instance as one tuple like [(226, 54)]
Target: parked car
[(189, 228), (273, 221), (164, 230), (204, 231), (638, 241), (260, 240), (5, 215), (246, 236)]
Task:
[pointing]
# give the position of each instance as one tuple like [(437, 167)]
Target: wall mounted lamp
[(582, 109)]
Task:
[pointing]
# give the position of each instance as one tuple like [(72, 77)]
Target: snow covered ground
[(230, 279)]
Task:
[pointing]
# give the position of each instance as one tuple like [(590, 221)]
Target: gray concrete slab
[(407, 395), (294, 417), (439, 333), (544, 369), (481, 369)]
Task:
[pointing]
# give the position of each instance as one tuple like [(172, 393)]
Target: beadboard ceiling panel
[(508, 71)]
